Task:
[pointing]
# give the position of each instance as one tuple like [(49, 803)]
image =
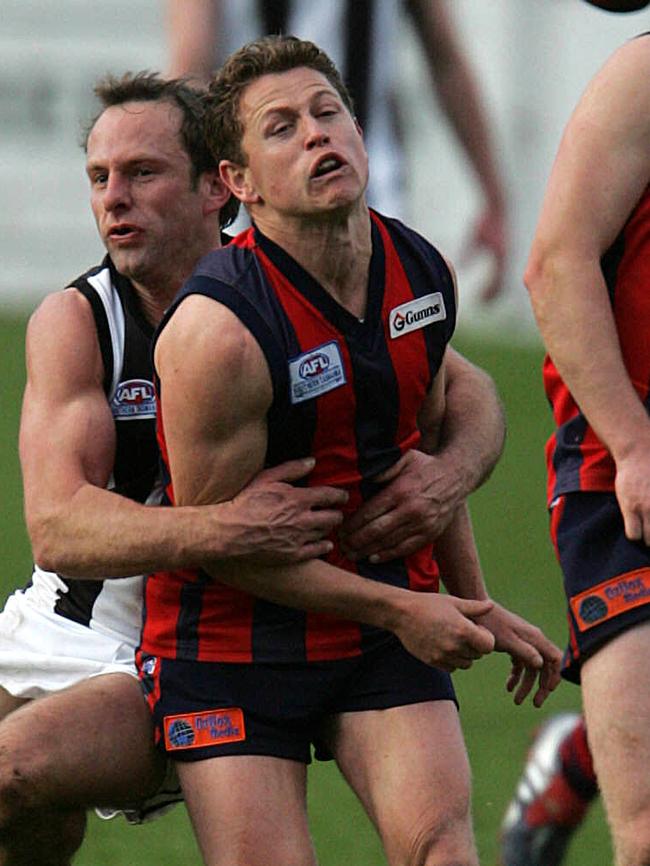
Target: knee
[(446, 841), (30, 832), (632, 842)]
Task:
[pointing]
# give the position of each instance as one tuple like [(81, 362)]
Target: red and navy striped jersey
[(348, 392), (575, 457)]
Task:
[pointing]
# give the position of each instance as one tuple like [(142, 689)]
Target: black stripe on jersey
[(274, 15), (610, 263), (189, 614), (293, 623), (130, 301), (103, 331), (359, 55), (567, 455), (77, 603)]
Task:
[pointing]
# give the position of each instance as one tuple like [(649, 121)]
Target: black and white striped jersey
[(114, 607)]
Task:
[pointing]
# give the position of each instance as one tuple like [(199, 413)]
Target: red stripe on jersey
[(224, 629), (162, 602)]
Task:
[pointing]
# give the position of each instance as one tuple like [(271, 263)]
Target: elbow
[(538, 279), (46, 540)]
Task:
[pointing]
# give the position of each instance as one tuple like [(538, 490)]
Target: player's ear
[(238, 180), (215, 192)]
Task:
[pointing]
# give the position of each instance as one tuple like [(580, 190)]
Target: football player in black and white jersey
[(89, 463)]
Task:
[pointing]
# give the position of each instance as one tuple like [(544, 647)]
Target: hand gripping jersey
[(114, 607), (576, 459), (346, 391)]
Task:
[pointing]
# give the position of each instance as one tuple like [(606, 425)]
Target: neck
[(334, 248), (159, 290)]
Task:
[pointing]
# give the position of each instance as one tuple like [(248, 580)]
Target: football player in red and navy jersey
[(68, 639), (332, 323), (588, 276)]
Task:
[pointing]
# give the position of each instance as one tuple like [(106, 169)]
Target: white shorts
[(42, 652)]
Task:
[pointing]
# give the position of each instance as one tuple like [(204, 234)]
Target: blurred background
[(532, 59)]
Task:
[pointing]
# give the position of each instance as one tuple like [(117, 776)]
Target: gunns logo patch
[(417, 314), (134, 399), (316, 372)]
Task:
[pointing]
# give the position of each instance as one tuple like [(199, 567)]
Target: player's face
[(305, 151), (149, 217)]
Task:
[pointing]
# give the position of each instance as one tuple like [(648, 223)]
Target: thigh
[(248, 810), (90, 744), (616, 695), (408, 766)]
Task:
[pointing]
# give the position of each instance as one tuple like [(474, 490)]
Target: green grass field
[(510, 524)]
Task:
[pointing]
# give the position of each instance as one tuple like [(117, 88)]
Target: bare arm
[(193, 28), (216, 439), (458, 92), (601, 171), (67, 444)]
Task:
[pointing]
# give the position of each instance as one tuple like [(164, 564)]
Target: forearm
[(575, 318), (192, 28), (457, 90), (458, 560), (99, 534), (320, 587), (473, 428)]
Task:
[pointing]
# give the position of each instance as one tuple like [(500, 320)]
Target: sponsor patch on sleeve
[(316, 372), (417, 313), (611, 598), (208, 728)]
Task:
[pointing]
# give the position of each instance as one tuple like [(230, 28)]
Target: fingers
[(527, 681), (370, 512), (472, 607), (313, 550), (324, 497), (292, 470), (633, 526)]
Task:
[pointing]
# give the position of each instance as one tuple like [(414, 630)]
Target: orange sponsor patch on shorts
[(209, 728), (611, 598)]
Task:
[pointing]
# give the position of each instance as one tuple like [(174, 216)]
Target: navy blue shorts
[(606, 576), (205, 709)]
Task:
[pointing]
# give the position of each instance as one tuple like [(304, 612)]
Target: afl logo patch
[(416, 314), (134, 398), (316, 372)]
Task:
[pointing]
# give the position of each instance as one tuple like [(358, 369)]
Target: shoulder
[(208, 331), (415, 251)]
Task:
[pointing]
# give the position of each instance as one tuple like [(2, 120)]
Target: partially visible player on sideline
[(90, 461), (588, 275), (336, 321), (559, 782)]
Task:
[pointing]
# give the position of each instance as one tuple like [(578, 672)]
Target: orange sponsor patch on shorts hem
[(600, 603), (208, 728)]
